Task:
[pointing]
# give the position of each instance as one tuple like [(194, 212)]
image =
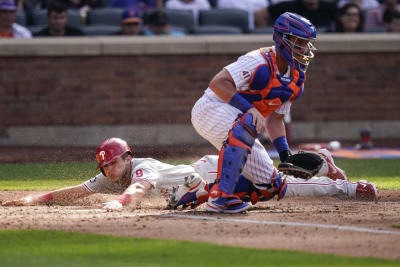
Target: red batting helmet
[(110, 149)]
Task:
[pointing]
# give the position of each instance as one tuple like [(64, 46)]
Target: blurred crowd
[(27, 18)]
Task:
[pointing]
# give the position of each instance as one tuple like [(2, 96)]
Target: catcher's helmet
[(110, 149), (296, 55)]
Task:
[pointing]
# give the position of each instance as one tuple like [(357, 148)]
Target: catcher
[(132, 178)]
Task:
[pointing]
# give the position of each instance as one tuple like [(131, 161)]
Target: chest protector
[(268, 93)]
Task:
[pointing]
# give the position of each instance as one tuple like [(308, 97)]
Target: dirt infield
[(303, 224)]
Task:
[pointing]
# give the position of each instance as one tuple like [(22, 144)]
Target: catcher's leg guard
[(233, 155), (232, 158)]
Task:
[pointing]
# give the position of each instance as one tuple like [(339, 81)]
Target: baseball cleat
[(224, 205), (333, 171), (192, 193), (366, 191)]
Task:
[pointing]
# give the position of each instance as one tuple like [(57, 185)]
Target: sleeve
[(284, 108), (97, 184), (145, 173), (242, 70)]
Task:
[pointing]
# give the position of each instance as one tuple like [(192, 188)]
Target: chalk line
[(299, 224)]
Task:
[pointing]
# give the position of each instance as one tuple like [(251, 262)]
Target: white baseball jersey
[(322, 186), (160, 175), (164, 176), (213, 118)]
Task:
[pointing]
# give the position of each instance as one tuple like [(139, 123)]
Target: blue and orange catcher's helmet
[(294, 36)]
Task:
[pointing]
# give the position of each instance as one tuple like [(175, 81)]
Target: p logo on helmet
[(110, 150)]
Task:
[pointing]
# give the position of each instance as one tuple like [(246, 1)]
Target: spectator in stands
[(158, 25), (83, 4), (8, 27), (57, 17), (193, 5), (131, 23), (247, 5), (140, 5), (363, 4), (391, 20), (349, 19), (320, 12), (374, 17)]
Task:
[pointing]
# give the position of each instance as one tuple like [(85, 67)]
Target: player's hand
[(113, 205), (258, 119), (26, 201)]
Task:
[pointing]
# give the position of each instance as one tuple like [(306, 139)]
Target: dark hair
[(126, 154), (342, 11), (389, 15), (56, 6), (158, 17)]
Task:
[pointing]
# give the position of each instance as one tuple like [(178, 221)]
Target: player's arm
[(134, 193), (60, 196), (224, 87), (276, 131)]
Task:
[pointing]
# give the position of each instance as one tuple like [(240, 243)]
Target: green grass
[(44, 176), (52, 248), (385, 173)]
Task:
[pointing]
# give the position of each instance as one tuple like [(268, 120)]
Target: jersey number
[(139, 173)]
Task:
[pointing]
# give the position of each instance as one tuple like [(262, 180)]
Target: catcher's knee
[(244, 130), (241, 136)]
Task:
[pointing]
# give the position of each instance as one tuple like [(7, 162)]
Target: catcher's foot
[(192, 193), (332, 171), (366, 191), (226, 204)]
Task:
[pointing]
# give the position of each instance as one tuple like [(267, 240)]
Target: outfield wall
[(77, 91)]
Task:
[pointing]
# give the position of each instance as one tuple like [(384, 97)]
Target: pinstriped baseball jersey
[(213, 118), (160, 175)]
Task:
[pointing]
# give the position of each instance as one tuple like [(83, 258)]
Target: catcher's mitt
[(302, 165)]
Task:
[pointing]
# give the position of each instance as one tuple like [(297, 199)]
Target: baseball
[(334, 145)]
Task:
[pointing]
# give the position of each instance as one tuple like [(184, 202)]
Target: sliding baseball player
[(131, 178)]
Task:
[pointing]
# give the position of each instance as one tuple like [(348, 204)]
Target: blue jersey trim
[(260, 78)]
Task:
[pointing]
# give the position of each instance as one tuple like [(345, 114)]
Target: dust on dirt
[(266, 225)]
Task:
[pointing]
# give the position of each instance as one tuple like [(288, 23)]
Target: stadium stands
[(104, 16), (181, 18), (214, 21), (39, 18), (100, 30), (225, 17), (21, 18), (216, 29)]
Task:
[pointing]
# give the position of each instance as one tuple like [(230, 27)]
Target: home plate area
[(323, 225)]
